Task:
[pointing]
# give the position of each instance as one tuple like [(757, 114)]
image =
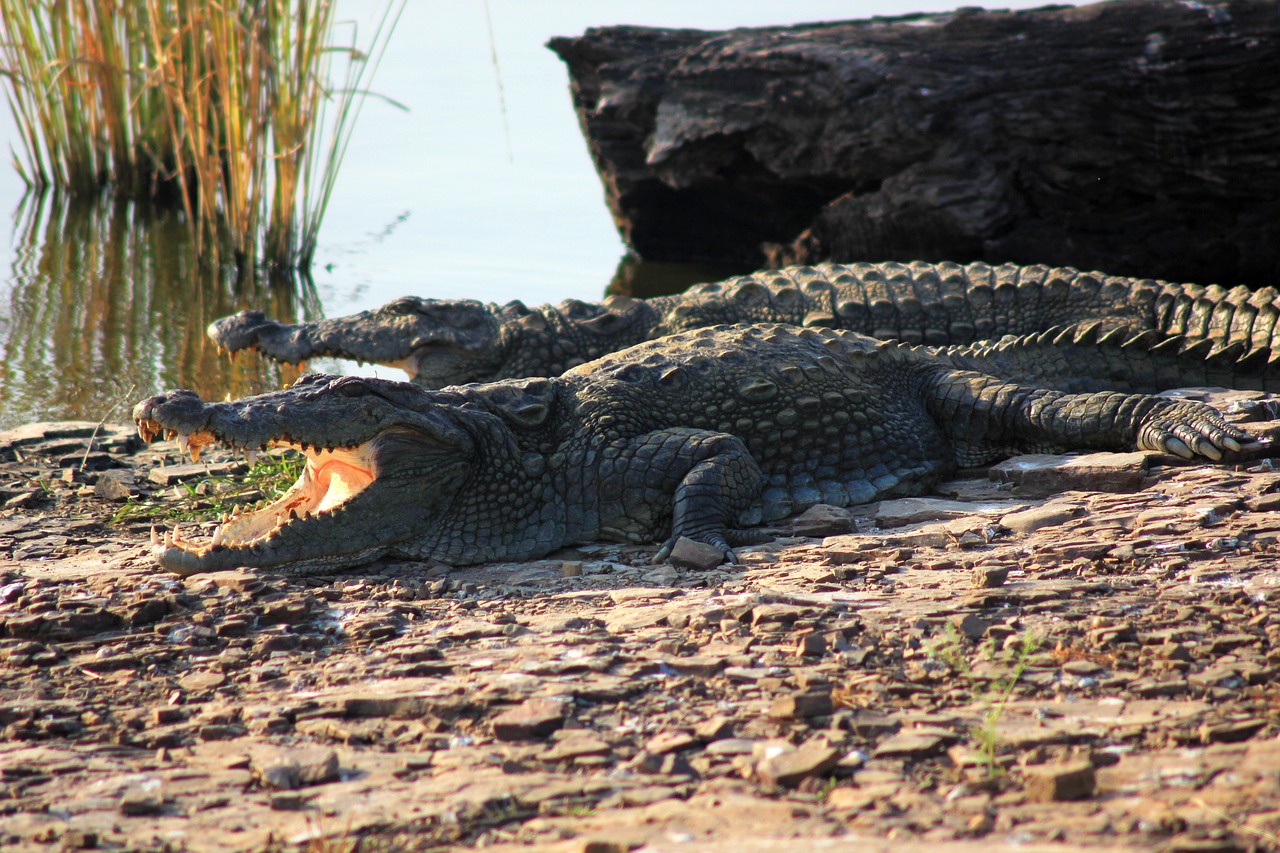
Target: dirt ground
[(1075, 652)]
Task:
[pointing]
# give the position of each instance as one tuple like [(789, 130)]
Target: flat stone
[(789, 769), (904, 511), (731, 746), (298, 768), (699, 556), (697, 665), (533, 719), (1231, 732), (716, 728), (579, 743), (971, 625), (1082, 667), (237, 580), (822, 520), (665, 742), (202, 681), (990, 577), (811, 645), (115, 485), (24, 499), (800, 705), (909, 745), (1056, 782), (1041, 475), (785, 614), (289, 801), (143, 799), (1029, 520), (850, 799), (169, 475)]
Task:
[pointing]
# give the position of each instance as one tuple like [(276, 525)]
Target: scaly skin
[(696, 435), (446, 342)]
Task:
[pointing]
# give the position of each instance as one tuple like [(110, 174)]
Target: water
[(466, 195)]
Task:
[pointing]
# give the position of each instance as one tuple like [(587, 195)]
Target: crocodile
[(698, 434), (441, 342)]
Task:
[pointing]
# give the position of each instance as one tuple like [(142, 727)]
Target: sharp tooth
[(155, 536), (195, 453), (251, 456), (177, 533), (184, 442), (217, 537), (170, 434), (293, 514), (225, 518), (168, 539)]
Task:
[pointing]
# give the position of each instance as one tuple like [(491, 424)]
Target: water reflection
[(640, 278), (107, 303)]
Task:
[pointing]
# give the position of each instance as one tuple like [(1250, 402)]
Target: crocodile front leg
[(704, 482)]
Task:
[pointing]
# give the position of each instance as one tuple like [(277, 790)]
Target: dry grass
[(223, 108)]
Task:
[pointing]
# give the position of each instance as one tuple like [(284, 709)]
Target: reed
[(224, 108)]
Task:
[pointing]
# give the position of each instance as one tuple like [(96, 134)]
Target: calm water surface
[(469, 194)]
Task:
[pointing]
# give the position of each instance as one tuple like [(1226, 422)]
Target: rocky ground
[(1056, 653)]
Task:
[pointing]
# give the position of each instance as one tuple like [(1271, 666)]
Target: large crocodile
[(442, 342), (696, 434)]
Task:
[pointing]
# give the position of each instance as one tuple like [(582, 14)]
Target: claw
[(1208, 449)]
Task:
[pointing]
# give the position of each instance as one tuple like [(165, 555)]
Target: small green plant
[(986, 736), (827, 787), (223, 108), (951, 648), (214, 497), (580, 810)]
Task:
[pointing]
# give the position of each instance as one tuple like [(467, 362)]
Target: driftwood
[(1137, 137)]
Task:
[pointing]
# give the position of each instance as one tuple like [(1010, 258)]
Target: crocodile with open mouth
[(441, 342), (697, 434)]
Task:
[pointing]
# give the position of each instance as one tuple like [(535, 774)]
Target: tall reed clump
[(224, 107)]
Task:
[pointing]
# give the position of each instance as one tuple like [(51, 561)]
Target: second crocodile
[(441, 342)]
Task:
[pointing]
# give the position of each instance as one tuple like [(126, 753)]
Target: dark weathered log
[(1135, 136)]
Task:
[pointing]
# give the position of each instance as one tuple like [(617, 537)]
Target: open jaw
[(304, 526)]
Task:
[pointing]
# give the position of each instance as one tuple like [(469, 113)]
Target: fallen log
[(1140, 137)]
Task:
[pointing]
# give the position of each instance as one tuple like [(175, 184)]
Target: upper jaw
[(281, 342)]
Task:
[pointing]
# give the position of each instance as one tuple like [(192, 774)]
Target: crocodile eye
[(404, 305), (350, 387)]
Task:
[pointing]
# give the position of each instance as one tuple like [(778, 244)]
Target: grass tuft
[(222, 108)]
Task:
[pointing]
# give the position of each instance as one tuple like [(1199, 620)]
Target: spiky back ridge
[(1092, 357)]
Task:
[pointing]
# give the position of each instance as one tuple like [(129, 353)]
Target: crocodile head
[(382, 460), (437, 342)]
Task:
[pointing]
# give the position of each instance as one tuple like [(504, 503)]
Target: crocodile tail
[(1088, 357), (1229, 315)]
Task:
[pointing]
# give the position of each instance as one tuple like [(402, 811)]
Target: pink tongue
[(340, 481)]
